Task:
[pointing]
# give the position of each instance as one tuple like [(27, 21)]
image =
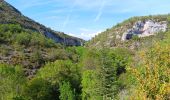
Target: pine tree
[(107, 76)]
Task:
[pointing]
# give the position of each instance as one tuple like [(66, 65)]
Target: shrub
[(66, 92), (12, 81), (152, 74), (39, 89), (49, 43), (23, 38), (61, 71)]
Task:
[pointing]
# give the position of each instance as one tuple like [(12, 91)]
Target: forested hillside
[(28, 43), (92, 74), (10, 15), (36, 67)]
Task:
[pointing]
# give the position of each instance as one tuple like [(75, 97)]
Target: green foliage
[(25, 47), (12, 81), (107, 75), (93, 74), (66, 93), (38, 89), (60, 71), (53, 78), (15, 33), (13, 28), (102, 71), (7, 31), (89, 84), (75, 73), (23, 38), (76, 53), (50, 43), (135, 37)]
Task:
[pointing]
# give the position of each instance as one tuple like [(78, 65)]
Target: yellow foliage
[(153, 74)]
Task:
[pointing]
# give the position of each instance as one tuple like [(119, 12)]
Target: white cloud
[(86, 34)]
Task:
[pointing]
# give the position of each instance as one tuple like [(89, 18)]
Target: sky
[(87, 18)]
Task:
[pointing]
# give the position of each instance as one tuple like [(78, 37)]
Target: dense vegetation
[(20, 46), (89, 78), (153, 73), (75, 73), (33, 67)]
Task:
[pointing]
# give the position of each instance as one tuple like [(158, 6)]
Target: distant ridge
[(9, 14), (133, 33)]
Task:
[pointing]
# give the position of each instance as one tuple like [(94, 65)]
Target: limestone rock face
[(145, 28)]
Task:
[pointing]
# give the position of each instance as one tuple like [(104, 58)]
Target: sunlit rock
[(145, 28)]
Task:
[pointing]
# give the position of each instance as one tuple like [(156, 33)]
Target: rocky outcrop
[(10, 15), (145, 28), (65, 40)]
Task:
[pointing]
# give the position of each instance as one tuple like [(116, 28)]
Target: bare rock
[(145, 28)]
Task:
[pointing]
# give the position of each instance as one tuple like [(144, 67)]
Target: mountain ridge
[(117, 35), (10, 14)]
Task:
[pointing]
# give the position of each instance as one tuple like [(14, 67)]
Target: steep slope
[(9, 14), (31, 50), (29, 44), (133, 33)]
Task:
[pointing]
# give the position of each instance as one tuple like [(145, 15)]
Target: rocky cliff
[(9, 14), (145, 28), (133, 32)]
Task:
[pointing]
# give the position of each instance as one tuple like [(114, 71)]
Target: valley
[(130, 61)]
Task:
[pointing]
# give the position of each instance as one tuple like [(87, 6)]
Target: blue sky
[(86, 18)]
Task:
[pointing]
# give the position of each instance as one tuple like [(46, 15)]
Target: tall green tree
[(101, 71), (107, 76)]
